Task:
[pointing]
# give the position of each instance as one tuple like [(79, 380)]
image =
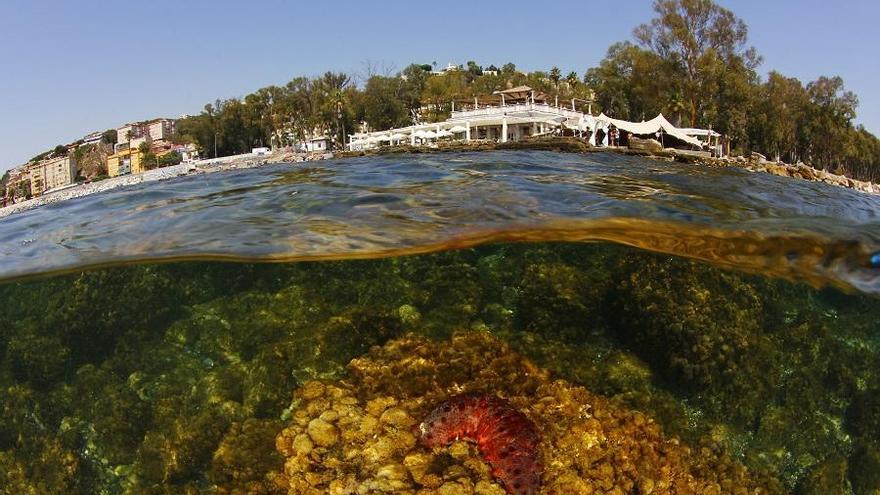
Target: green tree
[(701, 43), (4, 180), (334, 114), (109, 136), (829, 120), (384, 108), (778, 117), (439, 93), (41, 156), (630, 84), (299, 108), (473, 71), (169, 159), (555, 76)]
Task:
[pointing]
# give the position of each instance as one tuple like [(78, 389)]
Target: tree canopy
[(693, 62)]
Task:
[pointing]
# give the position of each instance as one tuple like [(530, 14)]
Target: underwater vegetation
[(652, 374)]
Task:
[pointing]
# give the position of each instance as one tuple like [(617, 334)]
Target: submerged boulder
[(357, 435)]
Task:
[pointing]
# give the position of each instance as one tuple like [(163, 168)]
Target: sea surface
[(284, 329)]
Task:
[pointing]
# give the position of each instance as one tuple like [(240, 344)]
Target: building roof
[(520, 93), (518, 89)]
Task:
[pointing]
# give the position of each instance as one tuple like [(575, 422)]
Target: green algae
[(176, 378)]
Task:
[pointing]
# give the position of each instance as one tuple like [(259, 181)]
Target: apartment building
[(129, 132), (161, 129), (51, 174), (124, 162)]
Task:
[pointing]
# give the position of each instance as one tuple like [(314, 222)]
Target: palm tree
[(555, 75), (333, 86)]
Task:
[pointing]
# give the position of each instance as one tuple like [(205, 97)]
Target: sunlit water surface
[(737, 310)]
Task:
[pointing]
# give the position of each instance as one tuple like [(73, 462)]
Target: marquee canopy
[(657, 124)]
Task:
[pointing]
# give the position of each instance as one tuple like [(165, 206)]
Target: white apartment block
[(161, 130), (129, 132)]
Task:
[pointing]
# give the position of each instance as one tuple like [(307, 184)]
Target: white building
[(92, 138), (513, 115), (128, 132), (161, 129), (136, 143), (188, 152), (317, 145), (509, 115), (131, 136)]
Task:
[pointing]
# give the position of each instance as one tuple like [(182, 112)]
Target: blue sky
[(71, 67)]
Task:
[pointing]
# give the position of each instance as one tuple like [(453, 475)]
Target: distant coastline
[(235, 162)]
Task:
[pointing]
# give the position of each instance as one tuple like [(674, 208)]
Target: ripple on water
[(398, 204)]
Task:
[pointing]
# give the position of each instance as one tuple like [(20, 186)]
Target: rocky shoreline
[(565, 145)]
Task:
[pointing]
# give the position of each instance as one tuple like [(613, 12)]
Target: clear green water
[(128, 378), (141, 378)]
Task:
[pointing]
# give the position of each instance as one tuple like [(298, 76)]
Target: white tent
[(444, 133), (397, 136), (429, 135), (657, 124), (458, 129)]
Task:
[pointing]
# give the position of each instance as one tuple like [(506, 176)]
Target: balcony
[(517, 108)]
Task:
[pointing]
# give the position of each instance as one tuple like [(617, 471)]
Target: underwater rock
[(700, 327), (32, 460), (560, 299), (322, 433), (447, 291), (506, 438), (589, 444), (111, 423), (864, 469), (47, 468), (863, 414), (41, 360), (242, 460), (825, 478), (181, 450), (99, 306)]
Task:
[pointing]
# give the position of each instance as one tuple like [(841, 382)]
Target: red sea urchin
[(507, 439)]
